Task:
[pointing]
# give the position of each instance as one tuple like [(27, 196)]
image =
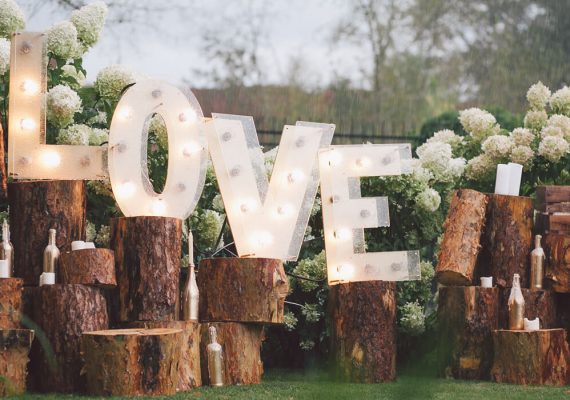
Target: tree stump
[(537, 304), (242, 290), (531, 357), (14, 348), (467, 317), (507, 239), (147, 264), (552, 223), (3, 171), (461, 240), (94, 267), (557, 266), (132, 362), (553, 198), (35, 208), (10, 303), (241, 352), (189, 374), (63, 313), (363, 334)]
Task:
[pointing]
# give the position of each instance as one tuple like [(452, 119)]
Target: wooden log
[(466, 318), (461, 240), (10, 303), (36, 207), (132, 362), (94, 267), (62, 313), (241, 351), (557, 266), (537, 304), (531, 357), (3, 171), (553, 223), (507, 239), (242, 290), (363, 331), (552, 195), (147, 264), (189, 374), (14, 349)]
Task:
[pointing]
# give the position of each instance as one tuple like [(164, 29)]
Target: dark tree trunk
[(557, 268), (94, 267), (537, 303), (15, 345), (10, 303)]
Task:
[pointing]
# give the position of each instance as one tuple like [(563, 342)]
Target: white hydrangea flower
[(209, 229), (4, 56), (522, 136), (538, 96), (62, 104), (70, 71), (269, 159), (218, 204), (77, 134), (535, 120), (522, 154), (428, 200), (480, 167), (551, 131), (435, 157), (418, 173), (497, 146), (111, 81), (11, 18), (90, 232), (413, 318), (455, 169), (98, 136), (562, 122), (100, 118), (478, 123), (560, 101), (103, 237), (553, 148), (447, 136), (89, 21), (62, 41)]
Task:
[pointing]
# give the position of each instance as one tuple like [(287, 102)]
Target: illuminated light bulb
[(191, 148), (262, 238), (363, 162), (158, 207), (51, 159), (189, 116), (27, 124), (247, 206), (343, 234), (285, 210), (126, 189), (345, 271), (29, 87), (125, 113), (295, 176)]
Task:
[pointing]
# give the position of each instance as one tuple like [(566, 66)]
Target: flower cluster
[(538, 96), (111, 81), (428, 200), (62, 105), (314, 268), (436, 157), (11, 18), (77, 134), (89, 21), (412, 318), (4, 56), (478, 123), (62, 41)]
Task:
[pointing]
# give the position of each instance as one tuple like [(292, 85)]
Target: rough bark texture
[(3, 171), (363, 334), (14, 348), (531, 358), (553, 223), (550, 195), (10, 303), (461, 241), (62, 313), (94, 267), (189, 375), (241, 351), (537, 303), (242, 290), (467, 317), (132, 362), (507, 239), (35, 208), (557, 268), (147, 264)]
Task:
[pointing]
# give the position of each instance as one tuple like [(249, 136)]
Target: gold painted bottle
[(215, 359), (190, 296), (6, 249), (51, 253), (536, 265), (516, 305)]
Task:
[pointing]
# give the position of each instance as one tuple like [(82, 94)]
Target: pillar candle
[(4, 269), (77, 245), (190, 248), (515, 175), (531, 325), (502, 180), (487, 281)]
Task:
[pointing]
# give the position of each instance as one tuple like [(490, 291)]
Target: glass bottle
[(516, 305), (215, 365), (190, 296), (6, 249), (51, 253), (536, 264)]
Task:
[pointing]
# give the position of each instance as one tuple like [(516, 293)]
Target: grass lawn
[(289, 385)]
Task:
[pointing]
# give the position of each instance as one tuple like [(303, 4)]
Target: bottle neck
[(537, 239), (51, 240), (516, 283), (213, 335), (5, 232)]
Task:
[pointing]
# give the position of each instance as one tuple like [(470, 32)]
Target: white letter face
[(346, 214), (268, 219), (187, 151), (28, 155)]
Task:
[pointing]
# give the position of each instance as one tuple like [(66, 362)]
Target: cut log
[(14, 349), (241, 352), (3, 172), (189, 375), (147, 264), (537, 304), (363, 334), (94, 267), (467, 317), (35, 208), (461, 240), (62, 313), (132, 362), (551, 195), (242, 290), (553, 223), (557, 266), (507, 239), (531, 357), (10, 303)]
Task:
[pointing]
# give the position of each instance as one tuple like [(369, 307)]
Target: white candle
[(502, 180), (47, 278), (515, 175), (531, 325), (487, 281), (77, 245), (4, 269), (89, 245), (190, 248)]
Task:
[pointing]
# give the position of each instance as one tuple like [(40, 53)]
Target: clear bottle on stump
[(215, 365), (6, 249), (516, 305), (51, 253), (190, 296), (536, 264)]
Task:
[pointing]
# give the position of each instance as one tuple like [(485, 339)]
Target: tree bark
[(461, 241), (189, 374), (553, 198), (466, 317), (242, 290), (14, 348), (35, 208), (507, 239), (132, 362), (537, 304), (94, 267), (63, 313), (147, 264), (363, 334), (3, 170), (553, 223), (557, 266), (241, 352), (531, 357), (10, 303)]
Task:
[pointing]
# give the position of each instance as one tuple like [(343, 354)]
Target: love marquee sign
[(268, 218)]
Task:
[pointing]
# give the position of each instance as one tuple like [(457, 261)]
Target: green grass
[(287, 385)]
